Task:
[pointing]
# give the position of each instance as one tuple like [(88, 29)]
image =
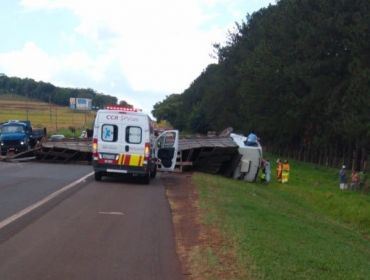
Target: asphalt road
[(22, 184), (113, 229)]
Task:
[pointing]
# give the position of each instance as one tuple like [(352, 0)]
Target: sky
[(139, 50)]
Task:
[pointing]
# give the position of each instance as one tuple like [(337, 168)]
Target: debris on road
[(65, 151)]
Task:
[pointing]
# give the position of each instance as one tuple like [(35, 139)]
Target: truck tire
[(97, 176)]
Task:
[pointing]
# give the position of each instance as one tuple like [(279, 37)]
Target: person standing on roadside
[(285, 172), (343, 178), (279, 170), (267, 171), (355, 180)]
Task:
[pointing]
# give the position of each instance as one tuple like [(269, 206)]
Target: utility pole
[(50, 110), (56, 118), (27, 106)]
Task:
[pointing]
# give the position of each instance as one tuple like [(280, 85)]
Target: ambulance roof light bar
[(121, 108)]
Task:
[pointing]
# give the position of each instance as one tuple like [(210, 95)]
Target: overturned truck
[(226, 155)]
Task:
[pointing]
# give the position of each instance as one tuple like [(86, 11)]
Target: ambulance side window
[(133, 134), (109, 133)]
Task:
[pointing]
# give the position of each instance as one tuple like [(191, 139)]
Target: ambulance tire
[(146, 179), (97, 176), (154, 172)]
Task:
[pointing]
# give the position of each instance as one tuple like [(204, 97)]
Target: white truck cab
[(124, 143), (250, 160)]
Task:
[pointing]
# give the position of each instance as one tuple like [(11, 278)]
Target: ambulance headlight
[(22, 142), (2, 143)]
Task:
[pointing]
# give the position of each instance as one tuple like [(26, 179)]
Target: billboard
[(80, 103), (72, 103)]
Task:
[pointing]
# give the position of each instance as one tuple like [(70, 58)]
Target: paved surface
[(107, 230), (22, 184)]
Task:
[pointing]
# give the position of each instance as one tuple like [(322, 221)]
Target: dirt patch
[(204, 253), (183, 200)]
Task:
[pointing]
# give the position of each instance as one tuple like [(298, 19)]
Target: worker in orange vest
[(285, 173), (279, 170)]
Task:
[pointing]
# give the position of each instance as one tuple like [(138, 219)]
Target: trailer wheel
[(97, 176)]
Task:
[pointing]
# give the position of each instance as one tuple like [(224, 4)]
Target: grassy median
[(306, 229)]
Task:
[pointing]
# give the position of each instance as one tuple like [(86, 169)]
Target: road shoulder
[(203, 251)]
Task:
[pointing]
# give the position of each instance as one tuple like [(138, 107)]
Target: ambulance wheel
[(97, 176), (154, 172), (146, 179)]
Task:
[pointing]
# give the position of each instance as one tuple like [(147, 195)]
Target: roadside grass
[(305, 229), (55, 118)]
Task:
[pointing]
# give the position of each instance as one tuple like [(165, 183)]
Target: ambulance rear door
[(135, 136), (110, 136)]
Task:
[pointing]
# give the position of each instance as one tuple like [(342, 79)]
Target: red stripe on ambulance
[(127, 160)]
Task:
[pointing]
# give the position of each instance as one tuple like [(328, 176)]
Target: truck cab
[(18, 136)]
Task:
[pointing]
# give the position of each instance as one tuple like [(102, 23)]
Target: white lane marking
[(27, 210), (111, 213)]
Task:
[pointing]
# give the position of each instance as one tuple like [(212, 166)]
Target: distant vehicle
[(18, 136), (124, 143)]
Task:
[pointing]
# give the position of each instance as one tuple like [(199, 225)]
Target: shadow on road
[(126, 179)]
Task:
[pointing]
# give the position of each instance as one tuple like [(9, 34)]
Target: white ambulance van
[(124, 143)]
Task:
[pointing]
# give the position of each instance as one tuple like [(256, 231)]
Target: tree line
[(49, 93), (296, 73)]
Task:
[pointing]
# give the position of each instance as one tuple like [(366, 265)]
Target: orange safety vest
[(286, 167)]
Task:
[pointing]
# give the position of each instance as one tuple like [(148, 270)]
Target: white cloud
[(30, 61), (160, 44), (33, 62), (153, 46)]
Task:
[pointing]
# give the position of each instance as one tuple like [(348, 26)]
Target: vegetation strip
[(203, 252), (305, 229)]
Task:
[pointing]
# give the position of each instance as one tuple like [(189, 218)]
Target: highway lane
[(107, 230), (22, 184)]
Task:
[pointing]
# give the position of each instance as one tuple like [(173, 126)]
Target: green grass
[(306, 229), (15, 97)]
